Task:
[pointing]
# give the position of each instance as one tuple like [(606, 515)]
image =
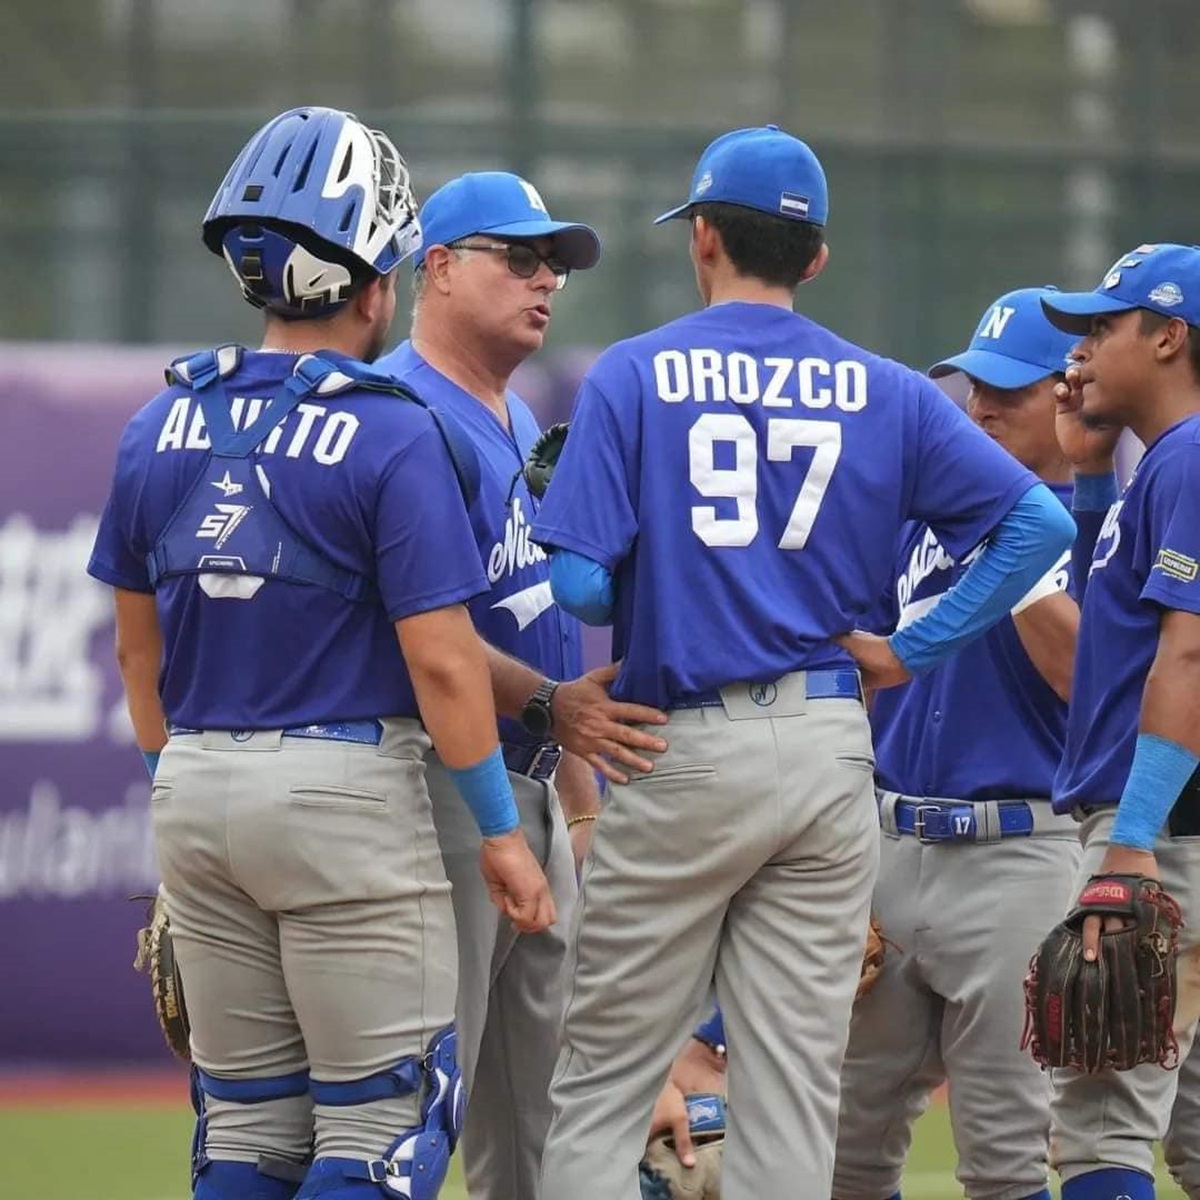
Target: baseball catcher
[(1116, 1011), (663, 1177), (156, 956)]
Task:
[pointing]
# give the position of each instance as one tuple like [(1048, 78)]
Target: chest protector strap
[(239, 531)]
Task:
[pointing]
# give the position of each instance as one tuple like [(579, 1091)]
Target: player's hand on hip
[(1087, 445), (878, 665), (516, 883), (671, 1117), (698, 1069), (1118, 860), (590, 723)]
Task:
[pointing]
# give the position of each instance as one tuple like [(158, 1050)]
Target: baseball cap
[(1014, 344), (762, 168), (1163, 277), (505, 206)]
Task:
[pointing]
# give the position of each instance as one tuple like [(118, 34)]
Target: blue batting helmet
[(314, 203)]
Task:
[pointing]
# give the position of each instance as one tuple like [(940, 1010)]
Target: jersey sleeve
[(118, 557), (1172, 502), (589, 506), (426, 556), (963, 483)]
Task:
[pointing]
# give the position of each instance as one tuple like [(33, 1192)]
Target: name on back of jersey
[(311, 429), (716, 376)]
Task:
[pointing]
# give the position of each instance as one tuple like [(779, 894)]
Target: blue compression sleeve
[(712, 1031), (582, 586), (488, 793), (150, 757), (1160, 771), (1094, 496), (1022, 548)]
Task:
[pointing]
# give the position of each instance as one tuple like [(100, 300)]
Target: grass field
[(79, 1147)]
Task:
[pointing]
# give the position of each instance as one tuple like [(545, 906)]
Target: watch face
[(535, 716)]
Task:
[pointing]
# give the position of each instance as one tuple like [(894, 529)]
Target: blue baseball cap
[(1164, 278), (505, 206), (761, 168), (1014, 344)]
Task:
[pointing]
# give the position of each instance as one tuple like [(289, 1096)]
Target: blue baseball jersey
[(1146, 561), (365, 479), (984, 725), (518, 615), (745, 473)]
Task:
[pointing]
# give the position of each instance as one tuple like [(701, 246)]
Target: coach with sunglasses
[(486, 278)]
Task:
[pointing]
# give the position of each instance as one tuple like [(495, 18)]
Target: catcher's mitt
[(156, 956), (873, 955), (663, 1177), (1116, 1012), (543, 458)]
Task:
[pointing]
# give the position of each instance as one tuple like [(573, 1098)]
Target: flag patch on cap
[(793, 205)]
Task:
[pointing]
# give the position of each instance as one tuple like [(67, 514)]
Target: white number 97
[(739, 483)]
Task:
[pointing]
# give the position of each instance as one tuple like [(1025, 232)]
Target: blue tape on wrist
[(1160, 771), (150, 757), (712, 1031), (488, 793), (1094, 493)]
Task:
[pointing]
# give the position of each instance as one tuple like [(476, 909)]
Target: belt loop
[(987, 821), (887, 811)]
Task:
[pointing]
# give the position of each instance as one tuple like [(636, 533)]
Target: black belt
[(537, 760)]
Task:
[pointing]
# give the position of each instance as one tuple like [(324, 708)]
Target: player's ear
[(817, 265), (706, 239), (372, 298), (436, 266), (1171, 338)]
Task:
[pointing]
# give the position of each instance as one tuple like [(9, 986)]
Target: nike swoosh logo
[(528, 604)]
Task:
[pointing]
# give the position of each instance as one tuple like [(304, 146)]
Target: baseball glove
[(156, 956), (873, 955), (543, 458), (663, 1177), (1116, 1012)]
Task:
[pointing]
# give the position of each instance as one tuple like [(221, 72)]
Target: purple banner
[(75, 837)]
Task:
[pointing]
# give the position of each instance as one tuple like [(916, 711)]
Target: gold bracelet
[(573, 821)]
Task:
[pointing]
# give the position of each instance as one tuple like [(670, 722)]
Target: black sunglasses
[(523, 259)]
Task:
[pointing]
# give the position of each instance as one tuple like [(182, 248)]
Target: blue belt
[(948, 821), (538, 760), (835, 683), (363, 733)]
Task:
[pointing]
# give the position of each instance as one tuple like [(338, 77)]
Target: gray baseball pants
[(964, 917), (1113, 1118), (313, 925), (748, 857), (509, 991)]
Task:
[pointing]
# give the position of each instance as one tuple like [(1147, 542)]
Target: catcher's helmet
[(314, 203)]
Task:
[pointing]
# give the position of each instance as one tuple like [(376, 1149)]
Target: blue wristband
[(1160, 771), (1094, 493), (488, 793), (712, 1031), (150, 757)]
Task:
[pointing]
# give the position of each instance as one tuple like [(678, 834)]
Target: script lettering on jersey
[(1109, 539), (928, 556), (311, 429), (516, 551), (718, 377)]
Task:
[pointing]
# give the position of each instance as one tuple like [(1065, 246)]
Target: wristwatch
[(535, 716)]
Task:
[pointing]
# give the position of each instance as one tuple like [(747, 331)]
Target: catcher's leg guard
[(241, 1181), (219, 1179), (415, 1164), (1108, 1182)]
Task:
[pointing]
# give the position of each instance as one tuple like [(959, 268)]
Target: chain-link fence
[(971, 145)]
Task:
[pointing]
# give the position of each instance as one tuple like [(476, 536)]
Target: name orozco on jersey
[(719, 376), (323, 436)]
